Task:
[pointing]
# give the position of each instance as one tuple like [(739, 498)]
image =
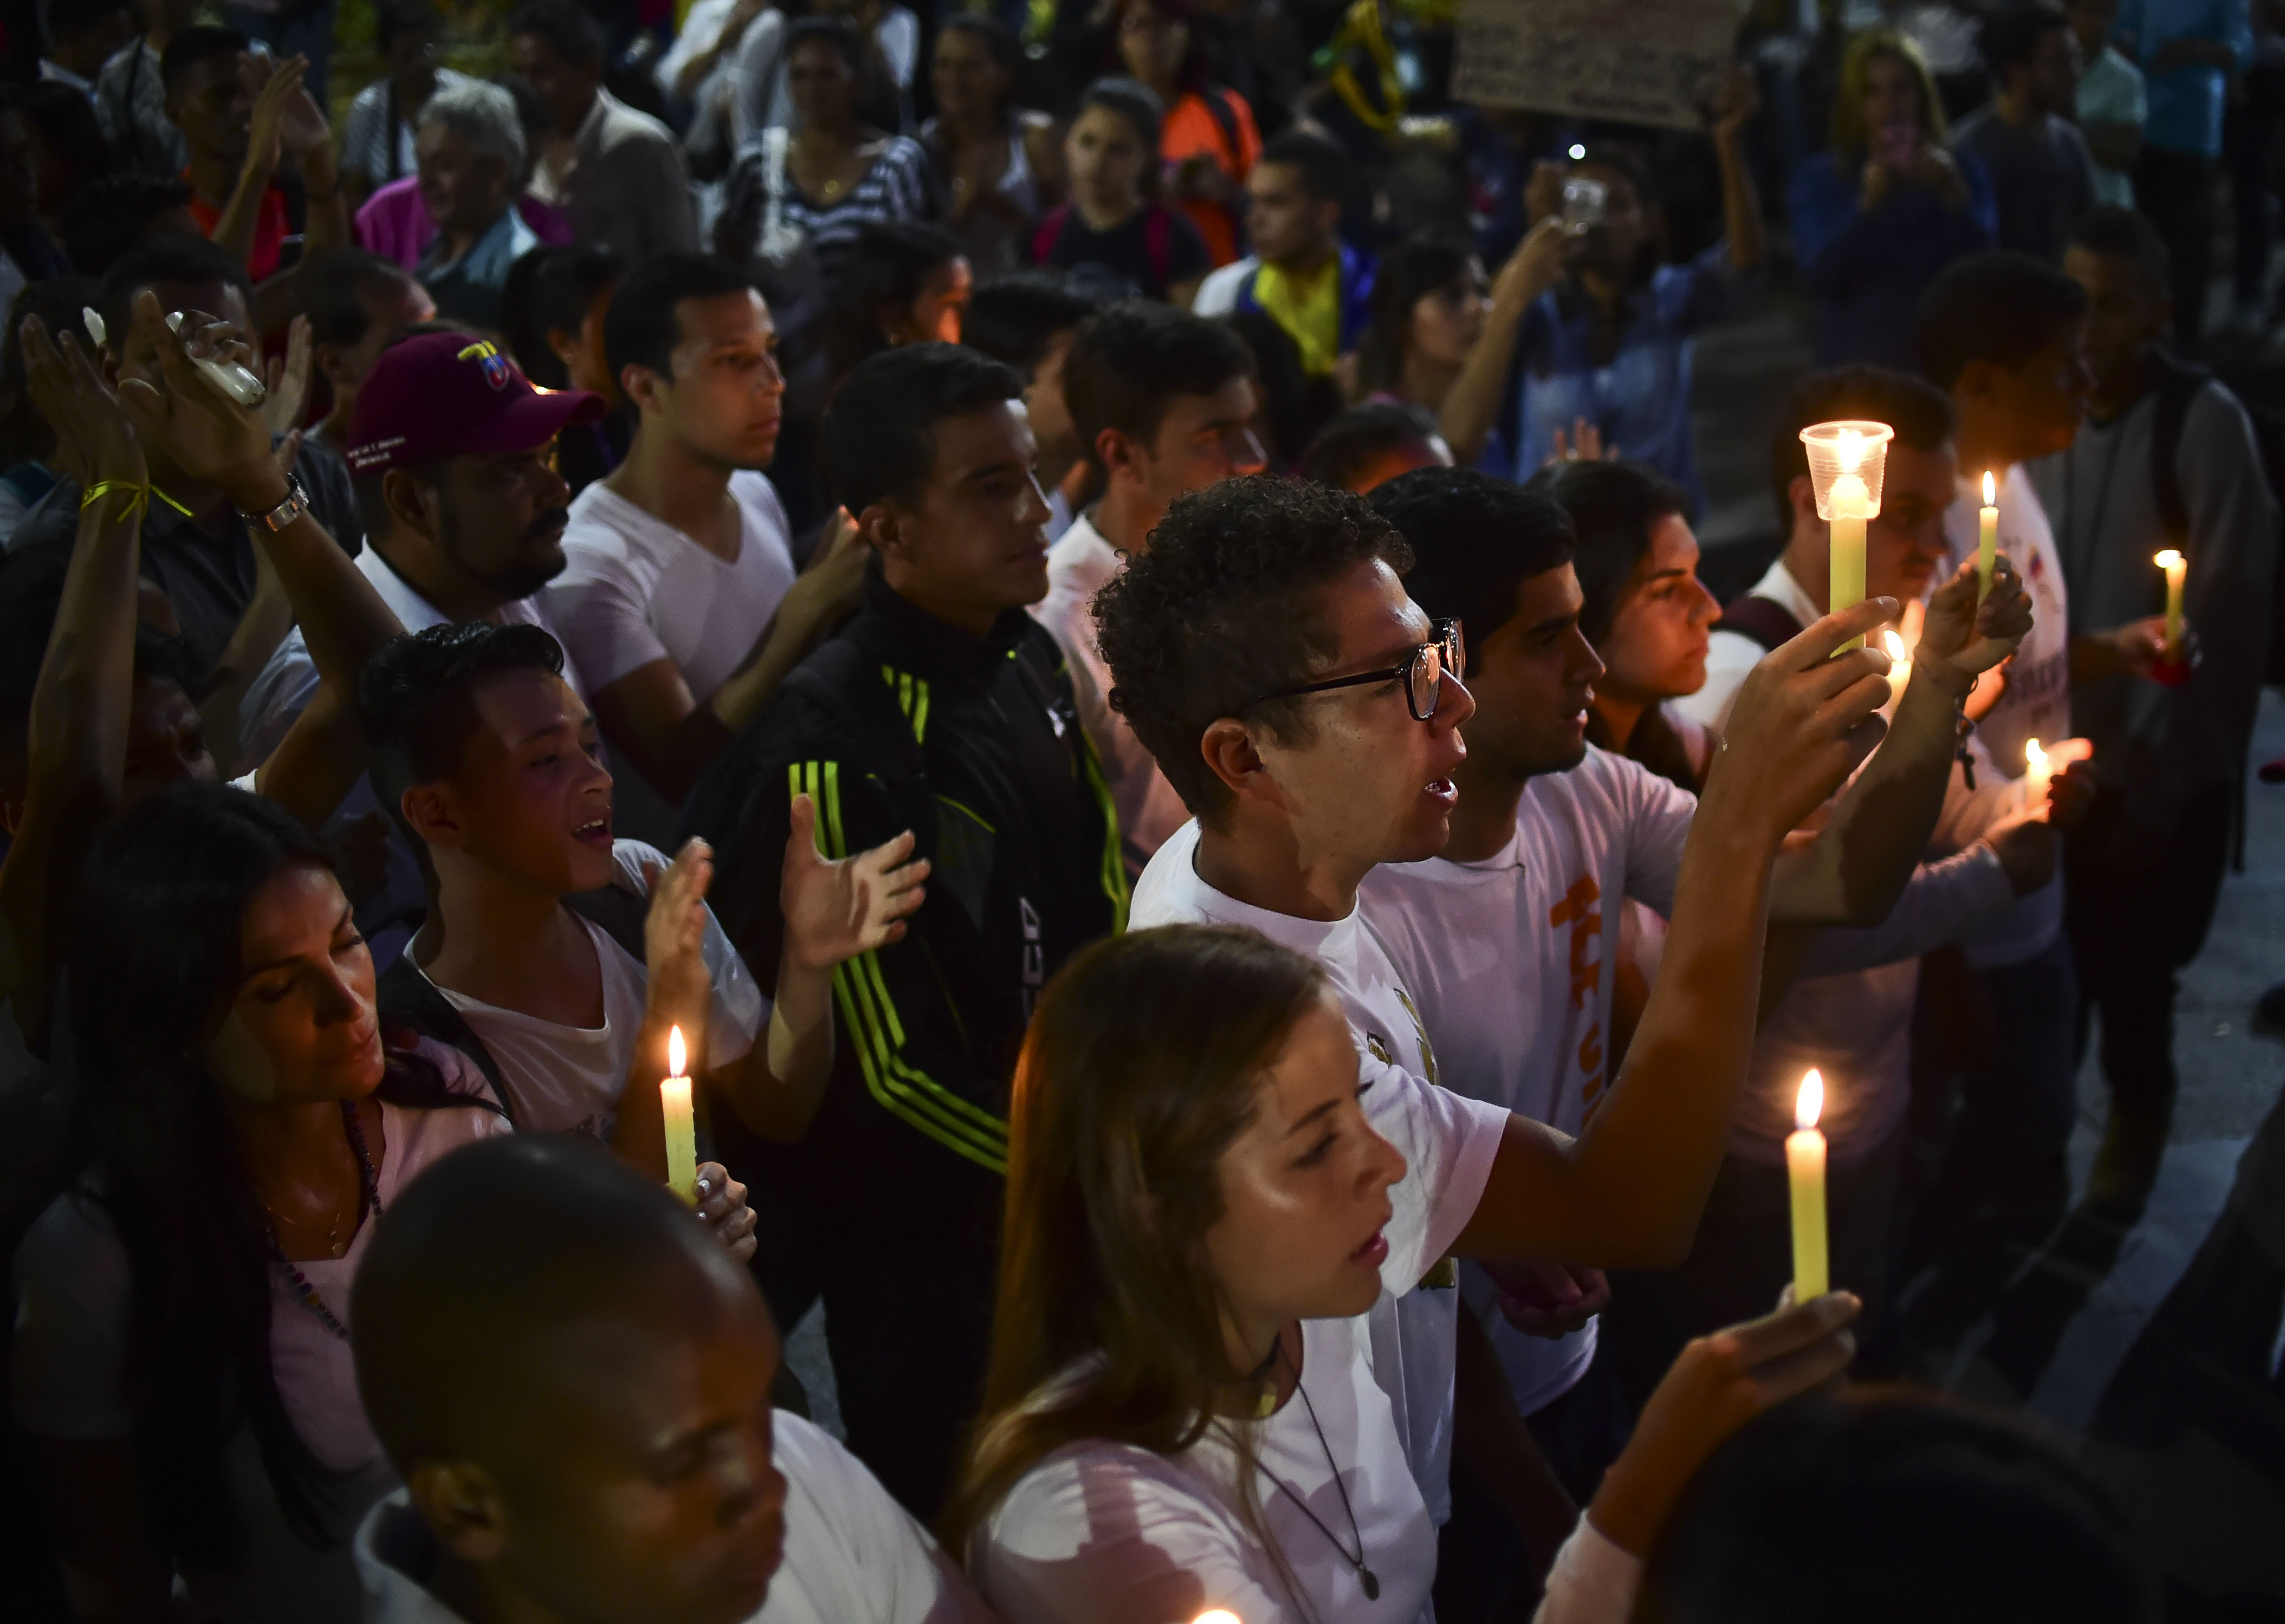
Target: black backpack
[(2177, 384)]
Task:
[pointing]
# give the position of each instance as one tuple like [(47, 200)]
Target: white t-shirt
[(852, 1554), (2036, 702), (569, 1078), (637, 590), (74, 1297), (1414, 1329), (1080, 564), (283, 690), (1511, 960)]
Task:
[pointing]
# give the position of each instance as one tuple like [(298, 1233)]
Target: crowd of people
[(1033, 680)]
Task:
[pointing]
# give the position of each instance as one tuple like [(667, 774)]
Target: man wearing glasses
[(1309, 713)]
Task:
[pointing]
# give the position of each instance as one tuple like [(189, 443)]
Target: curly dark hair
[(1224, 607)]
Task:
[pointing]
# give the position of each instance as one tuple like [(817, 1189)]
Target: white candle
[(2038, 774), (2177, 570), (1846, 462), (681, 1131), (1805, 1177), (1987, 537)]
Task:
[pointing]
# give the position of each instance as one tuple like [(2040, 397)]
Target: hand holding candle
[(681, 1131), (2178, 571), (1900, 670), (1805, 1177), (1987, 537)]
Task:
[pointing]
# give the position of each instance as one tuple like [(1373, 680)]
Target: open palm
[(837, 908)]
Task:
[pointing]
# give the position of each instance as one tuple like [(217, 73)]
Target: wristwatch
[(297, 504)]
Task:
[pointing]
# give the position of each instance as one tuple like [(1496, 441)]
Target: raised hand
[(1719, 1383), (203, 432), (289, 380), (1805, 718), (674, 937), (273, 90), (1734, 104), (95, 436), (1538, 261), (1548, 1300), (1961, 639), (836, 909)]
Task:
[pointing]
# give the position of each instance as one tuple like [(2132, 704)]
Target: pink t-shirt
[(394, 223)]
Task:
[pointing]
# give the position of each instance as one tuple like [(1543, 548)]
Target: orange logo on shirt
[(1578, 910)]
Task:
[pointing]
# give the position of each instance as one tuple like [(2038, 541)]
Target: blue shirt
[(1867, 271), (1639, 398), (469, 288), (2185, 105)]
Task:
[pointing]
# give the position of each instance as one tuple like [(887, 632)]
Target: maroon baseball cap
[(455, 395)]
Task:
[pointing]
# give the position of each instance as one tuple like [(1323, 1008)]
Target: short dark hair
[(2126, 233), (1223, 607), (999, 41), (334, 286), (198, 43), (190, 259), (884, 268), (416, 697), (2010, 35), (1344, 446), (109, 216), (1475, 540), (1324, 165), (486, 1256), (1614, 508), (1014, 317), (568, 27), (837, 31), (398, 18), (568, 282), (1139, 105), (1132, 360), (1818, 1507), (879, 443), (1916, 409), (70, 19), (2001, 307), (644, 323)]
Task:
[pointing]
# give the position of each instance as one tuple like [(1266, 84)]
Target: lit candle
[(1216, 1615), (1805, 1173), (2177, 569), (1900, 668), (681, 1134), (1987, 537), (1846, 460), (2039, 773)]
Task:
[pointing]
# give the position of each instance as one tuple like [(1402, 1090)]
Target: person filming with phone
[(1589, 336), (1885, 207)]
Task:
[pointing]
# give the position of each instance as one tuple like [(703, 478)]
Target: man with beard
[(679, 609), (453, 455)]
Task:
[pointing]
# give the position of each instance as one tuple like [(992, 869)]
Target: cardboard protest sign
[(1629, 61)]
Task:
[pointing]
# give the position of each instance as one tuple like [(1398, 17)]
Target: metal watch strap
[(297, 504)]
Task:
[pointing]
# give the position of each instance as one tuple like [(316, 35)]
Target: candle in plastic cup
[(2177, 569), (1805, 1178), (1846, 462), (681, 1130)]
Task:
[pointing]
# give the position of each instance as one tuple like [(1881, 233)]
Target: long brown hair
[(1139, 1071), (1850, 135)]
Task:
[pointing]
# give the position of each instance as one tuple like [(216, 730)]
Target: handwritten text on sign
[(1631, 62)]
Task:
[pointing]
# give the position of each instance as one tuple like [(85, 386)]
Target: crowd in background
[(1096, 606)]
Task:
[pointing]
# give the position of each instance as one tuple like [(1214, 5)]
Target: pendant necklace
[(1366, 1578), (368, 1197)]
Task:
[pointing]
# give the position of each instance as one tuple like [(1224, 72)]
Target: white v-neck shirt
[(1448, 1141)]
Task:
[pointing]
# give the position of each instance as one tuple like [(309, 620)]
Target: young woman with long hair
[(1182, 1411), (1000, 167)]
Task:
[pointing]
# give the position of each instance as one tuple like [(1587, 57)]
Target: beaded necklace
[(368, 1197)]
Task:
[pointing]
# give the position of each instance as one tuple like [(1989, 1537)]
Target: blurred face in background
[(1447, 323), (968, 82), (1106, 157), (822, 85), (1152, 45), (1892, 102)]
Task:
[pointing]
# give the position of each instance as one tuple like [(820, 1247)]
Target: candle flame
[(1990, 490), (2034, 756), (1216, 1615), (1848, 451), (1895, 646), (675, 1053), (2168, 560), (1809, 1104)]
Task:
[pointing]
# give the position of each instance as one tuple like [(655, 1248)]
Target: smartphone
[(1584, 202)]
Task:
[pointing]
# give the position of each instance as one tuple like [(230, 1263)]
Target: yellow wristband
[(103, 488)]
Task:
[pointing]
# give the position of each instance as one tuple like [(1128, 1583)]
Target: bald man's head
[(574, 1381)]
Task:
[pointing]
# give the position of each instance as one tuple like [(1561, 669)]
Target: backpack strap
[(1764, 620), (1050, 232), (407, 998), (1158, 242)]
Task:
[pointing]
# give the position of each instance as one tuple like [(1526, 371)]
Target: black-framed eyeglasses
[(1422, 674)]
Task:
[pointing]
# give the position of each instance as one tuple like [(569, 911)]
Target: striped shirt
[(898, 187)]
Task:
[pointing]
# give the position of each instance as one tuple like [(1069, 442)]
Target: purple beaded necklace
[(368, 1197)]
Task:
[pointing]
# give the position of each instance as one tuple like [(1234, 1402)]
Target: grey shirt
[(2162, 745), (2042, 178), (624, 185)]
